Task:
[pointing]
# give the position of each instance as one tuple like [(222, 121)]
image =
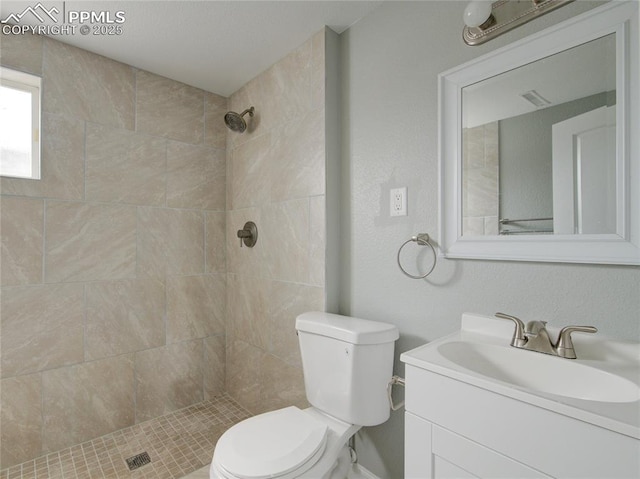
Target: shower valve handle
[(249, 234)]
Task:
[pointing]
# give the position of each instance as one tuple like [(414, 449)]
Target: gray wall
[(390, 63)]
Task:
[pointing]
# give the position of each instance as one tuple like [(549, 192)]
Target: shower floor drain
[(138, 460)]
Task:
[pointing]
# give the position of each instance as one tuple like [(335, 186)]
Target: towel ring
[(423, 240)]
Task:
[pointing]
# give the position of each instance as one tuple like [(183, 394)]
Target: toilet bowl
[(347, 364), (284, 444)]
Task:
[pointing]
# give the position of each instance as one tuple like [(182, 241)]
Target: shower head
[(235, 122)]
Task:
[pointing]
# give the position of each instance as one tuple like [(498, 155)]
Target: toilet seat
[(278, 443)]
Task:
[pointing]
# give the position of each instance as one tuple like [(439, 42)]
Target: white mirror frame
[(621, 18)]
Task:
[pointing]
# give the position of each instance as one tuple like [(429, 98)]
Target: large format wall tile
[(317, 240), (87, 401), (286, 238), (287, 301), (195, 307), (117, 249), (251, 178), (87, 86), (41, 327), (61, 162), (170, 242), (168, 108), (240, 259), (21, 234), (215, 242), (281, 385), (195, 177), (22, 52), (247, 309), (125, 167), (276, 178), (89, 242), (299, 158), (124, 316), (21, 418), (168, 378), (215, 131), (318, 62), (243, 372), (214, 366)]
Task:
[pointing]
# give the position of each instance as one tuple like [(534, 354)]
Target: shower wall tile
[(480, 194), (285, 89), (195, 177), (247, 309), (318, 77), (281, 385), (243, 260), (286, 238), (41, 327), (195, 307), (62, 162), (214, 366), (87, 400), (123, 317), (125, 167), (299, 158), (243, 372), (170, 242), (119, 248), (169, 108), (21, 52), (21, 418), (285, 302), (86, 86), (21, 228), (87, 242), (317, 240), (473, 147), (215, 242), (276, 178), (251, 173), (179, 385), (215, 131)]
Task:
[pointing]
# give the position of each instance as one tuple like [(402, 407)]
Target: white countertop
[(611, 356)]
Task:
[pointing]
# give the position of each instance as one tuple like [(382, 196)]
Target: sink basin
[(540, 372)]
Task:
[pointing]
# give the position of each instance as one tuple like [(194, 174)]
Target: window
[(19, 124)]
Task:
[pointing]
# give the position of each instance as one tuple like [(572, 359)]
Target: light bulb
[(477, 12)]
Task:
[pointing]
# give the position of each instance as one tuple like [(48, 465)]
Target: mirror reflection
[(539, 146)]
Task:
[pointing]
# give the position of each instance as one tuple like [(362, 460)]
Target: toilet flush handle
[(400, 382)]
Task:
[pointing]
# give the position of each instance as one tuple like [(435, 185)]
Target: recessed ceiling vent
[(535, 98)]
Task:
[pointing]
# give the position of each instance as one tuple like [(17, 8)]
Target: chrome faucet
[(535, 337)]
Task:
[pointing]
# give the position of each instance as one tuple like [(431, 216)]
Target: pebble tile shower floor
[(178, 444)]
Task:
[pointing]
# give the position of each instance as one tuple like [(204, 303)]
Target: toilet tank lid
[(346, 328)]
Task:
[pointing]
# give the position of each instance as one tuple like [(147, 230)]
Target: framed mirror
[(539, 145)]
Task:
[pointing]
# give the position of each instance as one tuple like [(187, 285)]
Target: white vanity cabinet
[(454, 429)]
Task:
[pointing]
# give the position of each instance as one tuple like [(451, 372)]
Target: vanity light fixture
[(485, 20)]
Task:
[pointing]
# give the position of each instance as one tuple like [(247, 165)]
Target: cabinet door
[(432, 452), (470, 459), (417, 447)]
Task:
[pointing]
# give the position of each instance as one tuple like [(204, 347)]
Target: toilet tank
[(347, 365)]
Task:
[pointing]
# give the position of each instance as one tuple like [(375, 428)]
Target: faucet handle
[(519, 338), (565, 347)]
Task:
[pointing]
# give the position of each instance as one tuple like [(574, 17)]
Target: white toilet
[(347, 365)]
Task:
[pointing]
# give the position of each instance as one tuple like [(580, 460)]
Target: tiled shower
[(125, 292)]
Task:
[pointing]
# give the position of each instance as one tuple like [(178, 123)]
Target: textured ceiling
[(214, 45)]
